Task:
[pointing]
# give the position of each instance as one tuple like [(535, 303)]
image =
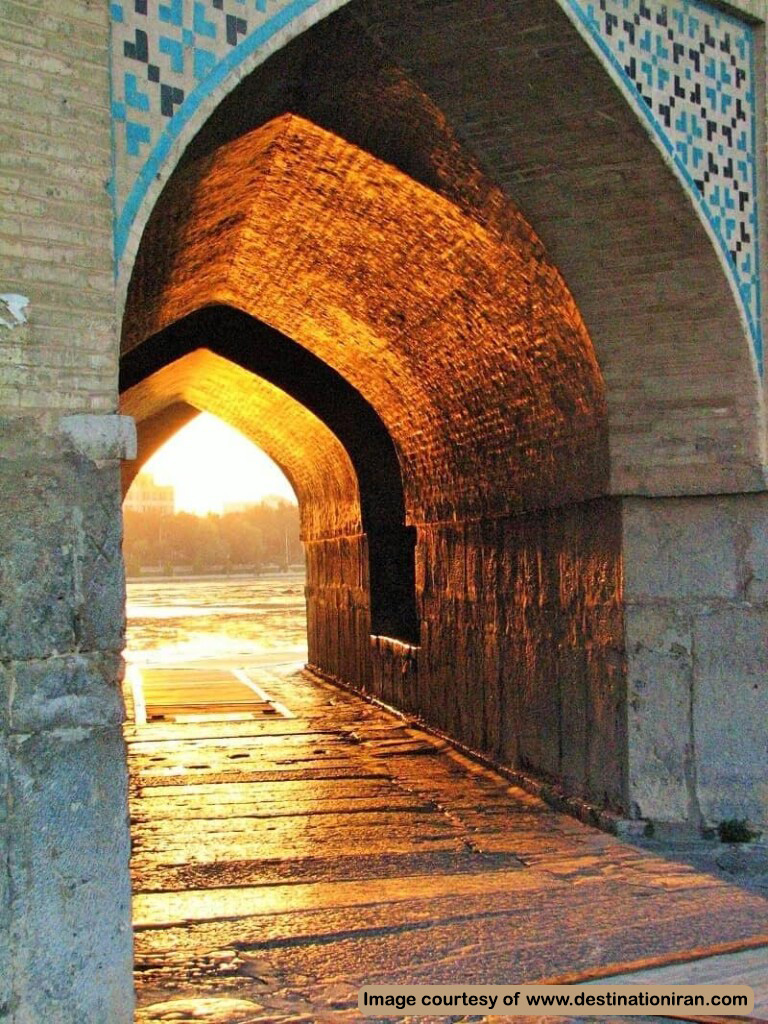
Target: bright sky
[(210, 463)]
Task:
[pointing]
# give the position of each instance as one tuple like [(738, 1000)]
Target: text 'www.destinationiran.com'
[(556, 1000)]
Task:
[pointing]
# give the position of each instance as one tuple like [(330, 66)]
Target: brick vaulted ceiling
[(453, 325), (499, 107)]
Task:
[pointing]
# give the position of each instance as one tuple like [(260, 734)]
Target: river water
[(257, 621)]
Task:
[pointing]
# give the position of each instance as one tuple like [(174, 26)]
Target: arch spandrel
[(314, 461), (469, 348)]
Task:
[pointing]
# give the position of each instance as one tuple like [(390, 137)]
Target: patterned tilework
[(160, 52), (167, 57), (688, 67)]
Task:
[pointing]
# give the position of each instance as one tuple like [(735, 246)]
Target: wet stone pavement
[(282, 861)]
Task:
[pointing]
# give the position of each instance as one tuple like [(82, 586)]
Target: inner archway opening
[(215, 576)]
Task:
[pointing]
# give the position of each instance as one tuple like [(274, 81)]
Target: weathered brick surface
[(548, 126), (338, 608), (522, 643), (468, 346), (512, 89), (55, 231)]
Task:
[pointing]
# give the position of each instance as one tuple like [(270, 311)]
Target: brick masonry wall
[(522, 653), (510, 421), (56, 227), (674, 62), (310, 455), (543, 648), (337, 590), (338, 609)]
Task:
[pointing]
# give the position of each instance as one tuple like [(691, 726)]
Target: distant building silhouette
[(269, 500), (147, 496)]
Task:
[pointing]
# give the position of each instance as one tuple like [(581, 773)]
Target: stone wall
[(338, 608), (522, 647), (65, 937), (697, 648), (65, 873)]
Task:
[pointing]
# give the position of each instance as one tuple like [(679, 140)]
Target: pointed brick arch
[(315, 462), (460, 98), (468, 346), (317, 466)]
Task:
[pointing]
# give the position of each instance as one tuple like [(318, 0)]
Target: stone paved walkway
[(281, 862)]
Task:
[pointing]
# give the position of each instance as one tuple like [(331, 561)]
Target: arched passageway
[(443, 352), (317, 466), (497, 108), (552, 632), (462, 102)]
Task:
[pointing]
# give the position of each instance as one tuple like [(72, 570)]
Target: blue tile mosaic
[(689, 68), (167, 58)]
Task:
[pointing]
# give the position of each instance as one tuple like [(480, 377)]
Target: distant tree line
[(259, 539)]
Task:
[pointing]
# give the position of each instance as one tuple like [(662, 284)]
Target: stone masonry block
[(68, 866), (67, 691), (36, 577), (659, 678), (730, 712), (680, 549), (754, 520), (5, 947), (3, 777), (99, 438), (61, 573), (100, 589)]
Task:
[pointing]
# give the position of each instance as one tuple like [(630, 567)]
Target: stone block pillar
[(696, 618), (65, 921)]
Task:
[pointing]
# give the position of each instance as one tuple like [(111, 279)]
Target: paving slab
[(279, 864)]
